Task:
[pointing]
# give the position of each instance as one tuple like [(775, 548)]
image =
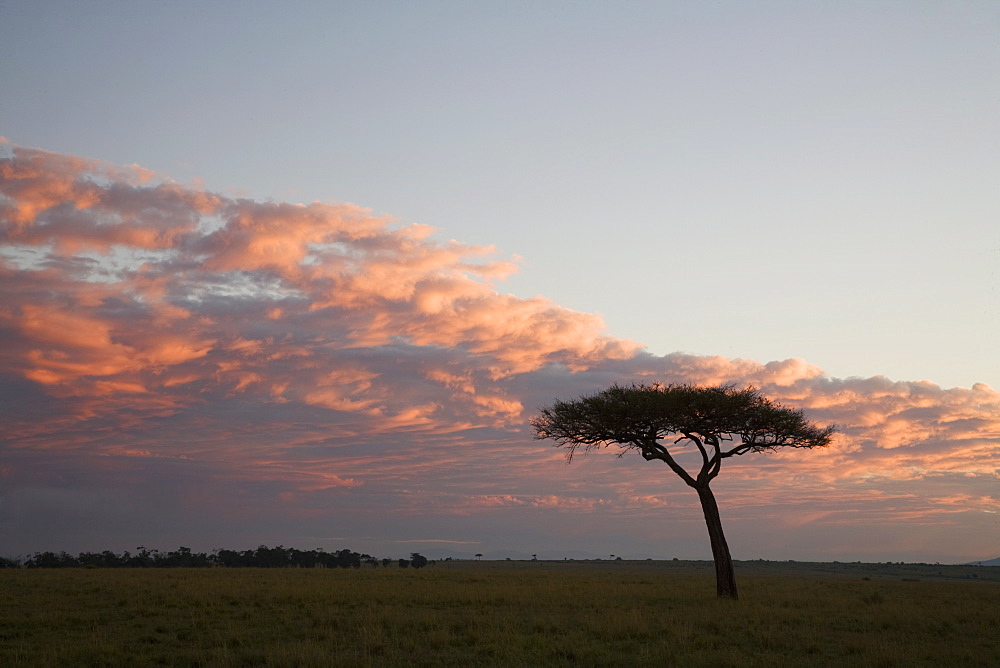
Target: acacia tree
[(657, 419)]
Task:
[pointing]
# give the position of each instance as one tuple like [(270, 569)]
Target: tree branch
[(706, 461), (654, 450), (715, 462)]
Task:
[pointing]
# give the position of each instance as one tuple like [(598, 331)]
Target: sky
[(301, 273)]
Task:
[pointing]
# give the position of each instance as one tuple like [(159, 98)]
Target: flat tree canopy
[(720, 422)]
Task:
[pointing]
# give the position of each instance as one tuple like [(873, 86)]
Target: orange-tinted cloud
[(316, 352)]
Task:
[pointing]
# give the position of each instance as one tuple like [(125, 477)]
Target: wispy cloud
[(315, 357)]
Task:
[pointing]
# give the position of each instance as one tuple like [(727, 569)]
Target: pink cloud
[(321, 350)]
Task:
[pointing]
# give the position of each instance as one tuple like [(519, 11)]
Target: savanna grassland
[(491, 613)]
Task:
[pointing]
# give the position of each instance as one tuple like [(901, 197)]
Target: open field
[(497, 613)]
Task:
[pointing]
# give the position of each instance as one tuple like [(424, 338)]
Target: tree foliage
[(720, 421), (659, 420)]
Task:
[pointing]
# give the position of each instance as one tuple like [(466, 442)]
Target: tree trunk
[(725, 579)]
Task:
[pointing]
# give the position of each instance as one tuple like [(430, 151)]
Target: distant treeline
[(183, 557)]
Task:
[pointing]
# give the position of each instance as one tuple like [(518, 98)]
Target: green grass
[(487, 614)]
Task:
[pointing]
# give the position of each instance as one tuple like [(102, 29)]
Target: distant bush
[(184, 557)]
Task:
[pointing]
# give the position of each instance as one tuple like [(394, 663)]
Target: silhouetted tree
[(105, 559), (143, 558), (10, 563), (228, 558), (271, 557), (51, 560), (183, 557), (720, 422), (305, 558), (348, 559)]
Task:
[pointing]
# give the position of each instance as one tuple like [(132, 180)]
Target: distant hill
[(991, 562)]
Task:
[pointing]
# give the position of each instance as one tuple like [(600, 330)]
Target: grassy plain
[(493, 613)]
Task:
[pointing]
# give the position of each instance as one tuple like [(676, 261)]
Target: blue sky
[(744, 183)]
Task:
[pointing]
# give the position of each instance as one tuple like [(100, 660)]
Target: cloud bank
[(180, 363)]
